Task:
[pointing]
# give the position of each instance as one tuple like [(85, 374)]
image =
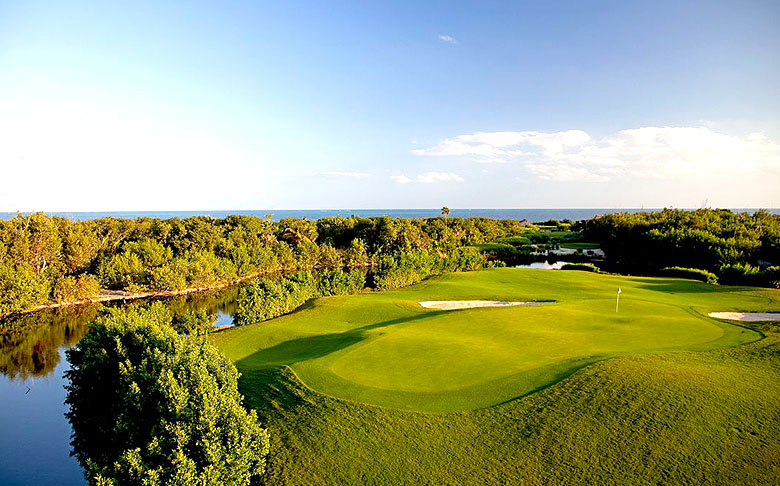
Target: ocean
[(534, 215)]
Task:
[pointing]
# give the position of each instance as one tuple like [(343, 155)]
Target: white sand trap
[(746, 316), (470, 304)]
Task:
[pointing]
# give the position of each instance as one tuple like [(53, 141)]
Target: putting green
[(385, 349)]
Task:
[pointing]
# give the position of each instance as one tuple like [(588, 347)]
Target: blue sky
[(245, 105)]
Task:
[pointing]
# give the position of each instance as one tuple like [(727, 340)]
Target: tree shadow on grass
[(311, 347), (675, 286)]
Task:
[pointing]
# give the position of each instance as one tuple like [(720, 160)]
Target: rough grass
[(672, 417)]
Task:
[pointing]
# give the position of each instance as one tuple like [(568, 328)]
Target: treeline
[(47, 259), (265, 298), (261, 299), (739, 248)]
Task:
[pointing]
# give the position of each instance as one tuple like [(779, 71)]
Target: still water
[(544, 265), (34, 433)]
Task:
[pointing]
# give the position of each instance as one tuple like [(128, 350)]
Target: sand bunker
[(746, 316), (470, 304)]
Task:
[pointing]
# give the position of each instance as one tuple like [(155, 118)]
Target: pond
[(544, 265), (35, 438)]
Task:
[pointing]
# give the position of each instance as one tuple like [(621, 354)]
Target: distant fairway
[(385, 349)]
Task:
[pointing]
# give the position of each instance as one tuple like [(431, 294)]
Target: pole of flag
[(617, 302)]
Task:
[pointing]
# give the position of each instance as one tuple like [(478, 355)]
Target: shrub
[(585, 267), (739, 274), (339, 282), (356, 255), (265, 298), (691, 273), (329, 257), (170, 276), (151, 407), (20, 289), (75, 288), (745, 274)]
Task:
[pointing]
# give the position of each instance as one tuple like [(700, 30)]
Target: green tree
[(356, 255), (445, 211), (151, 407)]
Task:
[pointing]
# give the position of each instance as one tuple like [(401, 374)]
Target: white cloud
[(428, 178), (647, 152), (448, 39)]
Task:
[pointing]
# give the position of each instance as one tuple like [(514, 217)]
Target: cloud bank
[(646, 153)]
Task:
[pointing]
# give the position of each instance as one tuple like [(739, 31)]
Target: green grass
[(679, 403), (384, 349)]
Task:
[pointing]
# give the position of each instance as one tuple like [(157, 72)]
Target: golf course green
[(384, 349)]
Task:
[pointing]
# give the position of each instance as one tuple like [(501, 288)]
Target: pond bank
[(116, 295)]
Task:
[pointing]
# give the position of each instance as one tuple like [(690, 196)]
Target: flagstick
[(617, 302)]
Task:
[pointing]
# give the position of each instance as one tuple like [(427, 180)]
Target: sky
[(127, 106)]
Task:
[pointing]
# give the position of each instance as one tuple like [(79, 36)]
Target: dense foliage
[(736, 246), (45, 259), (265, 298), (151, 407), (691, 273)]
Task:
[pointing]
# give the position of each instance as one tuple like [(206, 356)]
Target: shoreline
[(115, 295)]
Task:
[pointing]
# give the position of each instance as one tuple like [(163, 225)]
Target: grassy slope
[(674, 418), (661, 418), (384, 349)]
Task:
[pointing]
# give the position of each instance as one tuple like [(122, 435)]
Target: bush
[(170, 276), (20, 289), (339, 282), (195, 323), (746, 274), (739, 274), (691, 273), (75, 288), (402, 269), (585, 267), (151, 407), (265, 298)]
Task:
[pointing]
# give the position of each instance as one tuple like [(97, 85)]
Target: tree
[(151, 407), (445, 211), (356, 255)]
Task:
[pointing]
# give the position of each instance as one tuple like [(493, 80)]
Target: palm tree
[(445, 211)]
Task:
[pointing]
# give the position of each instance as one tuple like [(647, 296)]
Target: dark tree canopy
[(151, 407)]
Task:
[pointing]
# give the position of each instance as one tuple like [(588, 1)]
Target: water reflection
[(30, 343), (544, 265)]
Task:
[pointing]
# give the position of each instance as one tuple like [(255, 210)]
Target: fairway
[(383, 348)]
